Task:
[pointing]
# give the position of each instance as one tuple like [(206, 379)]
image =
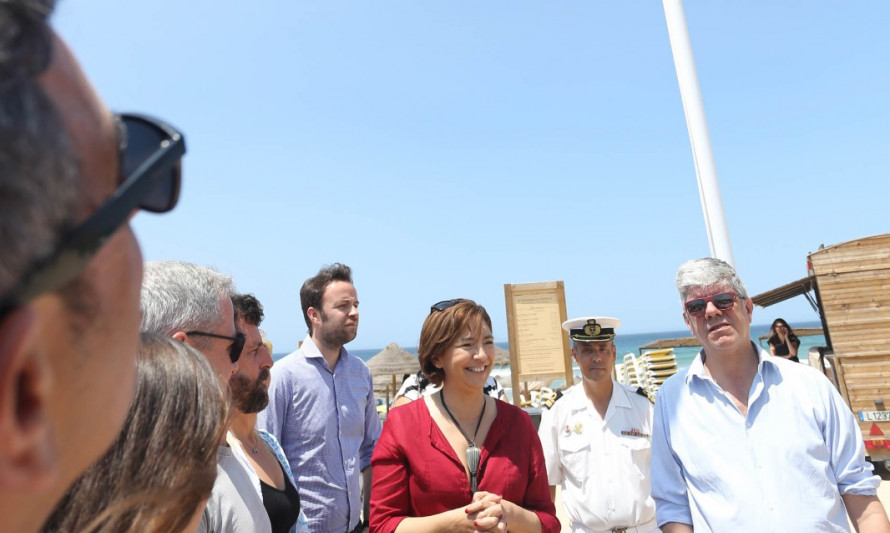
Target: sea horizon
[(631, 342)]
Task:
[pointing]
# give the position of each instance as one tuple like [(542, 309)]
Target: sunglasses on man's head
[(445, 304), (150, 176), (234, 349), (722, 301)]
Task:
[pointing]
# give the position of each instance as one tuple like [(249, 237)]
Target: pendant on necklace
[(473, 465), (472, 458), (255, 450)]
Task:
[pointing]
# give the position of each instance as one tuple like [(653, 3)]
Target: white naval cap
[(591, 328)]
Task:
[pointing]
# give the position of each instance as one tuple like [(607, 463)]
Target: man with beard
[(269, 470), (193, 304), (322, 410)]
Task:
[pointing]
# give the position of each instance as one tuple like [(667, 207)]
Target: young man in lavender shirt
[(322, 410)]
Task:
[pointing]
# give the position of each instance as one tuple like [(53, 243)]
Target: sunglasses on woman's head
[(445, 304), (722, 301)]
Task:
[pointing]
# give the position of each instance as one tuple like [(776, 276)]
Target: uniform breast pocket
[(637, 453), (574, 452)]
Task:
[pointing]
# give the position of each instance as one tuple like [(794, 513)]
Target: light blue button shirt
[(783, 467), (327, 424)]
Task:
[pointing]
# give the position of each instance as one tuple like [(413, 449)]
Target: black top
[(781, 348), (282, 506)]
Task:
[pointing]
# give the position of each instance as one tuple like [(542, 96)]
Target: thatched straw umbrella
[(391, 362)]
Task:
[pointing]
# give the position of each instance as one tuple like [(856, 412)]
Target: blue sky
[(443, 149)]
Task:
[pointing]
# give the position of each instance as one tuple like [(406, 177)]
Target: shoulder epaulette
[(644, 394)]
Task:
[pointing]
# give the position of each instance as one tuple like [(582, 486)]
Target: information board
[(539, 347)]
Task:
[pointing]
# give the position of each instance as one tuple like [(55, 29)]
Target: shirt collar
[(311, 351), (697, 367), (619, 398)]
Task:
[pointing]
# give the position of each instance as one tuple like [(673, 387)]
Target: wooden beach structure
[(850, 282)]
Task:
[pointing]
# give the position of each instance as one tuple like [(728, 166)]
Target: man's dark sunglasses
[(150, 175), (234, 349), (722, 301), (445, 304)]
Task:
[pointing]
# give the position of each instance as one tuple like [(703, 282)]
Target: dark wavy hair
[(775, 336), (248, 307), (442, 328)]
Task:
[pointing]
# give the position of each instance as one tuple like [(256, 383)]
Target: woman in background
[(459, 460), (783, 342), (159, 472), (416, 385)]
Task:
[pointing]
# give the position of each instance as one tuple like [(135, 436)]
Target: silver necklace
[(472, 450), (253, 448)]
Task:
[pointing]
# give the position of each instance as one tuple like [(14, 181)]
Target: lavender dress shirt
[(327, 424)]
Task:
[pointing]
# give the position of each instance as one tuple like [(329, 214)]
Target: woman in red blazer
[(459, 460)]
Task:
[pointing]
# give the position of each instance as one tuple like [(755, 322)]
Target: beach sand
[(883, 495)]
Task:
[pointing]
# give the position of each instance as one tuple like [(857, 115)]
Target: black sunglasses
[(722, 301), (150, 175), (445, 304), (234, 349)]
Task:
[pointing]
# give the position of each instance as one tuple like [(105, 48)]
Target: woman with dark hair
[(159, 472), (459, 460), (783, 342)]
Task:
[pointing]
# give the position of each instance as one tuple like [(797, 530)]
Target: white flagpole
[(699, 138)]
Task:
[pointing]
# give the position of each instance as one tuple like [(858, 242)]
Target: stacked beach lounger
[(648, 370)]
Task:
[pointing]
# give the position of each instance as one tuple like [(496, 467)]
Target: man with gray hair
[(193, 303), (71, 176), (744, 441)]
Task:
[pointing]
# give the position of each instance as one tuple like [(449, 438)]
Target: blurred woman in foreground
[(159, 472), (459, 460)]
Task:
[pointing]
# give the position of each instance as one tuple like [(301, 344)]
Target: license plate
[(874, 416)]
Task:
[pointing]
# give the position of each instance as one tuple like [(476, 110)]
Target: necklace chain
[(472, 452), (456, 423), (253, 447)]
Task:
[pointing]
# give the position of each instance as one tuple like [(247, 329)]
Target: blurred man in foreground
[(71, 175)]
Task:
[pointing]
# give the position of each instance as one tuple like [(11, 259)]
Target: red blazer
[(416, 472)]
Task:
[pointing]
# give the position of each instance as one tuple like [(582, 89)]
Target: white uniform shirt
[(602, 465)]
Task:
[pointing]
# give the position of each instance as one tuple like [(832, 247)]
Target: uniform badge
[(578, 428), (634, 432)]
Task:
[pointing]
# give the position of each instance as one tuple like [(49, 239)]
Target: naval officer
[(597, 439)]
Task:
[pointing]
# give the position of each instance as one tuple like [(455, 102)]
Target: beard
[(335, 336), (249, 397)]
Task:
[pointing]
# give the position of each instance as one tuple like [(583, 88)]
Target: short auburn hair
[(442, 328)]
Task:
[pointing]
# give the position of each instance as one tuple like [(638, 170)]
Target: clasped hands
[(487, 513)]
